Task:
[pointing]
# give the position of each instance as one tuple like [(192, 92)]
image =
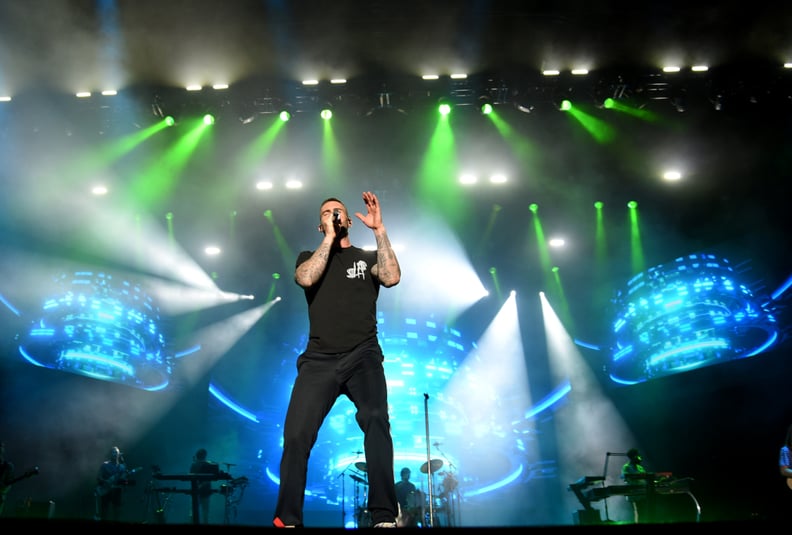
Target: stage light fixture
[(162, 111), (326, 114), (468, 179), (717, 102), (284, 116), (208, 119), (460, 91), (485, 105)]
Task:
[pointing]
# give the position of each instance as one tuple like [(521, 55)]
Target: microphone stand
[(605, 475), (429, 461), (343, 494)]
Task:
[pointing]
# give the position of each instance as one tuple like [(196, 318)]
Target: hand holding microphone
[(335, 222)]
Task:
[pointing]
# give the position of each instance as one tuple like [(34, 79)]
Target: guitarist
[(112, 477), (6, 476), (785, 458)]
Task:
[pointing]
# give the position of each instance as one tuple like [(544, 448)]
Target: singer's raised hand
[(373, 217)]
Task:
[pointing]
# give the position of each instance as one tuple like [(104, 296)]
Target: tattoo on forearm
[(311, 270), (388, 270)]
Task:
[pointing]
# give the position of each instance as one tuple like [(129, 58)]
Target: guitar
[(115, 481), (32, 472), (789, 482), (5, 487)]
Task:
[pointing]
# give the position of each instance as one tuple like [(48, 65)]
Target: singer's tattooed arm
[(387, 268), (309, 272)]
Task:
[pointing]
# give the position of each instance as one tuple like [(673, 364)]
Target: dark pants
[(108, 505), (321, 380)]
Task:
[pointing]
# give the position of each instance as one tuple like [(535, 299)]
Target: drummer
[(406, 494)]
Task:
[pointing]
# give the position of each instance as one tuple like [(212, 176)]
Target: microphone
[(336, 216), (436, 444), (621, 454)]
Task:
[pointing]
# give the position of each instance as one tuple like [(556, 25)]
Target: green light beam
[(636, 249)]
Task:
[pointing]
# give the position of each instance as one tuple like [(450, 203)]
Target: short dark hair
[(331, 199), (201, 454), (633, 453)]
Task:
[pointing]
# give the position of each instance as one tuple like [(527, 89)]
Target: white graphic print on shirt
[(358, 271)]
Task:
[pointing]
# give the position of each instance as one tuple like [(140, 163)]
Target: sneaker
[(385, 525), (278, 523)]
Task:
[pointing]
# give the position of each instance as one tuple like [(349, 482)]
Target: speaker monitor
[(585, 517), (33, 509)]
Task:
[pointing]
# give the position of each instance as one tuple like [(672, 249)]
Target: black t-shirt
[(403, 491), (342, 306)]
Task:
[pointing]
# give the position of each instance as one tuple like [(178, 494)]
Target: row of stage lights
[(482, 93), (327, 114), (455, 78)]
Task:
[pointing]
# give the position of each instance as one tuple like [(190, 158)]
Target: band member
[(785, 457), (111, 479), (632, 471), (201, 465), (6, 476), (410, 499)]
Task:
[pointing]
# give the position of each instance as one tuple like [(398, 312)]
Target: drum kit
[(362, 516), (437, 508), (421, 511)]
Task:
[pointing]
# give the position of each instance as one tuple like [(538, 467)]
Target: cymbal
[(358, 479), (360, 466), (437, 464)]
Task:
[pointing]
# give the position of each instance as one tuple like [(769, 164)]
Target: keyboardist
[(201, 465), (634, 473)]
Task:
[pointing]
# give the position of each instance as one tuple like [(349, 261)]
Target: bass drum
[(415, 499), (363, 518), (411, 517)]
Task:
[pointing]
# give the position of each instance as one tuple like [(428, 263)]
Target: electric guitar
[(789, 482), (115, 481), (32, 472), (5, 487)]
